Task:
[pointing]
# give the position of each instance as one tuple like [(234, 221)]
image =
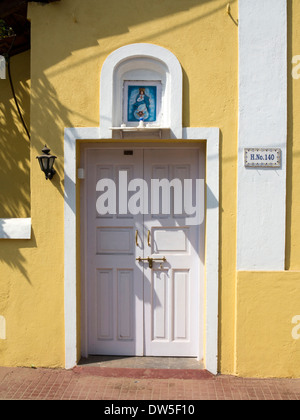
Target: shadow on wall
[(14, 143), (50, 115), (84, 33), (48, 128), (74, 18), (53, 116), (15, 170), (77, 28)]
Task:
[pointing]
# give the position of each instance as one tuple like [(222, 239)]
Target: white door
[(138, 306), (171, 288)]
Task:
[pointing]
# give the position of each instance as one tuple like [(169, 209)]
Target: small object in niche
[(141, 123), (123, 125)]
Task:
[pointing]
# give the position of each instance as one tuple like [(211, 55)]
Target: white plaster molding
[(212, 136), (15, 228), (158, 57), (261, 226), (70, 274), (212, 239)]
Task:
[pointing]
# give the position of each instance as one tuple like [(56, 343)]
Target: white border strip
[(261, 221), (212, 239), (15, 228), (212, 135), (70, 233)]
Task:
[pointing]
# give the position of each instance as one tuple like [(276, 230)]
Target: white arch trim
[(156, 54)]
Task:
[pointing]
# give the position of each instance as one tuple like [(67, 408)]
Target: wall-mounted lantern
[(46, 162)]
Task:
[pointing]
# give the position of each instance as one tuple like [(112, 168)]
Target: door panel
[(104, 296), (115, 240), (170, 240), (181, 299), (159, 315), (125, 305)]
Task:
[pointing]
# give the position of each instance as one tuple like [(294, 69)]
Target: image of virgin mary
[(141, 105)]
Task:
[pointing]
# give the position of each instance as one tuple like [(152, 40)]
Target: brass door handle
[(151, 260), (148, 238), (137, 238)]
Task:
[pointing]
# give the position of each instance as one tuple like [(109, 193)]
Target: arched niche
[(141, 65)]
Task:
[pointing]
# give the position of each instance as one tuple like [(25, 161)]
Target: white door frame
[(211, 136), (200, 146)]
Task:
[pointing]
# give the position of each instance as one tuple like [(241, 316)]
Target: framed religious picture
[(142, 101)]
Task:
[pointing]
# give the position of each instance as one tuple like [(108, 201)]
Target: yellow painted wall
[(14, 202), (70, 41), (33, 318), (266, 306)]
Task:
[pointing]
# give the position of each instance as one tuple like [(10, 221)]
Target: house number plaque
[(266, 158)]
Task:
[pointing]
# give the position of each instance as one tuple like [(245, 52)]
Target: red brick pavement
[(87, 383)]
